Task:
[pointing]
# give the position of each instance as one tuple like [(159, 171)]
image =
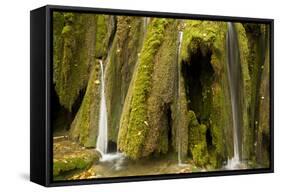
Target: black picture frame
[(40, 95)]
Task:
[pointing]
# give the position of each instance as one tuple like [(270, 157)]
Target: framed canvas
[(125, 95)]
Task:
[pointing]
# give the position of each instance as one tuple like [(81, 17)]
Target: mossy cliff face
[(139, 135), (73, 54), (121, 63)]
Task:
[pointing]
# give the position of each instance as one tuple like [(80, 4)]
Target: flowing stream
[(102, 140), (234, 78)]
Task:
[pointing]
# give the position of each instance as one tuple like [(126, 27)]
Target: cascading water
[(234, 79), (102, 140), (179, 72), (117, 158)]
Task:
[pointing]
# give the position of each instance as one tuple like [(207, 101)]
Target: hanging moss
[(73, 51), (134, 123), (78, 39)]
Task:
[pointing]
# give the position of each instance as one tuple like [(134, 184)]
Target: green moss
[(84, 38), (197, 140), (213, 106), (102, 36), (218, 122), (204, 35), (119, 69), (71, 163), (162, 92), (73, 50), (257, 35), (84, 127), (133, 126), (70, 156)]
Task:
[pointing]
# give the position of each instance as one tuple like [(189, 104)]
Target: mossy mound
[(70, 156)]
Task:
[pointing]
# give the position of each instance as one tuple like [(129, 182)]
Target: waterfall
[(234, 79), (179, 106), (102, 139)]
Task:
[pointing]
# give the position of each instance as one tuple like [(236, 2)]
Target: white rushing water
[(179, 138), (102, 139), (233, 70)]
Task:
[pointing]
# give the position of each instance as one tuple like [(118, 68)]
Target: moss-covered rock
[(162, 93), (78, 39), (105, 31), (69, 156), (84, 127), (119, 68), (258, 43), (203, 57), (205, 36), (73, 54), (134, 138), (197, 143)]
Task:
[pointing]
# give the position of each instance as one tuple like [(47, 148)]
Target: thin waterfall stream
[(179, 72), (234, 78), (102, 140)]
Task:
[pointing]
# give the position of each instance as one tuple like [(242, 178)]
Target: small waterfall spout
[(102, 139), (179, 72), (234, 79)]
